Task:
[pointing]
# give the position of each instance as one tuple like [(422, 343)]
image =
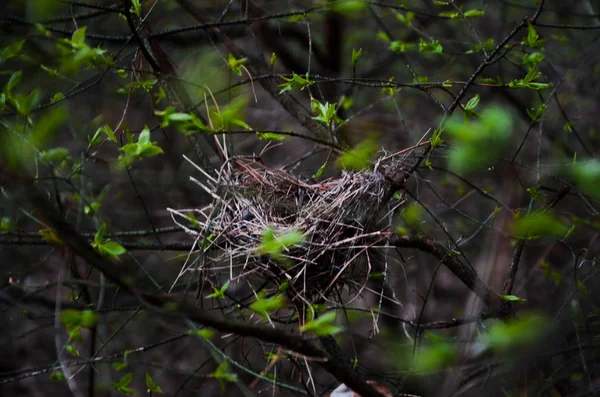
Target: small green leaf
[(360, 157), (323, 325), (472, 103), (55, 155), (151, 386), (218, 292), (223, 376), (356, 56), (294, 82), (57, 97), (270, 136), (236, 64), (123, 383), (513, 298), (11, 51), (204, 333), (72, 350), (137, 7), (265, 306)]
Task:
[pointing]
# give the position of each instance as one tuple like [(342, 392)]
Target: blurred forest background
[(282, 197)]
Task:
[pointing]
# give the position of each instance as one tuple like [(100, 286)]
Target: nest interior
[(336, 219)]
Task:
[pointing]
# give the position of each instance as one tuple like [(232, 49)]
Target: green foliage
[(232, 113), (122, 385), (435, 355), (236, 64), (152, 387), (295, 82), (270, 136), (488, 45), (360, 157), (145, 85), (324, 325), (401, 47), (412, 217), (23, 104), (476, 144), (204, 333), (406, 18), (49, 236), (587, 177), (79, 54), (536, 114), (188, 123), (218, 292), (433, 46), (274, 245), (356, 54), (266, 306), (533, 38), (106, 247), (137, 7), (326, 113), (11, 51), (349, 8), (512, 299), (537, 225), (82, 318), (514, 334), (223, 376), (529, 81), (55, 155), (467, 14), (139, 150)]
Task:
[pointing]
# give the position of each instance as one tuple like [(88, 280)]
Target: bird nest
[(306, 236)]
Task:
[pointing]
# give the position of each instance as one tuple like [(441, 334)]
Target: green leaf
[(360, 157), (433, 46), (435, 355), (137, 7), (218, 292), (320, 172), (474, 13), (587, 176), (356, 56), (400, 47), (81, 318), (513, 298), (107, 247), (78, 37), (274, 245), (537, 225), (49, 235), (515, 334), (151, 386), (57, 376), (142, 148), (57, 97), (326, 113), (324, 325), (236, 64), (72, 350), (270, 136), (295, 82), (265, 306), (477, 144), (472, 103), (55, 155), (223, 376), (123, 383), (11, 51), (204, 333), (349, 8)]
